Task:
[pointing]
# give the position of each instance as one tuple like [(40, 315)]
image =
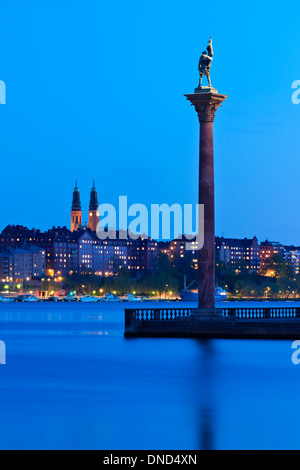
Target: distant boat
[(132, 298), (88, 298), (110, 298), (52, 299), (7, 299), (189, 296), (30, 298), (70, 298), (220, 294), (27, 298)]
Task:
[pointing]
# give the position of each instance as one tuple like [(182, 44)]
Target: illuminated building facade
[(292, 257), (238, 254), (19, 265), (267, 252), (142, 254), (180, 258)]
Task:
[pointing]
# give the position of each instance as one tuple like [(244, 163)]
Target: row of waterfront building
[(32, 254), (60, 252), (237, 255)]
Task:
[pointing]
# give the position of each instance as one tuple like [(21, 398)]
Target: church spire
[(93, 209), (94, 198), (76, 213)]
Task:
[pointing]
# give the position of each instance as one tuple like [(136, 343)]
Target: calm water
[(73, 382)]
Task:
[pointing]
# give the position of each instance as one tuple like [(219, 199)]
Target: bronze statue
[(205, 63)]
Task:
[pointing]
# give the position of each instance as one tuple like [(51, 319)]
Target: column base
[(211, 314), (205, 89)]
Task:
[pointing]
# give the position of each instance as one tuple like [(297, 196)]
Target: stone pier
[(241, 322)]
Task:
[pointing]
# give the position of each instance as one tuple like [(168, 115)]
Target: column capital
[(206, 104)]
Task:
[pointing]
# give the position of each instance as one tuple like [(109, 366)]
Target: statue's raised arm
[(210, 50)]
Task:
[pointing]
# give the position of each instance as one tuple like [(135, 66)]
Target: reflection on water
[(73, 381), (206, 376)]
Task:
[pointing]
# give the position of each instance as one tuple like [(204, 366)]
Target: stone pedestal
[(205, 314), (206, 89), (206, 103)]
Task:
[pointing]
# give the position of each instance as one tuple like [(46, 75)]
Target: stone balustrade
[(168, 320)]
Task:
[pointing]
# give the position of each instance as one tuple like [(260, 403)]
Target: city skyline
[(256, 189), (89, 218)]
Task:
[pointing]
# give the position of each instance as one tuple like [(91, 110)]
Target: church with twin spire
[(76, 211)]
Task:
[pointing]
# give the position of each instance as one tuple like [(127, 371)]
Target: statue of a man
[(205, 63)]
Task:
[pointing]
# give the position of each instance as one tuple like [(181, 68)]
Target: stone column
[(206, 103)]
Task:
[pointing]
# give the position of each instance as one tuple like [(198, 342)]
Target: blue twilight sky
[(96, 88)]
